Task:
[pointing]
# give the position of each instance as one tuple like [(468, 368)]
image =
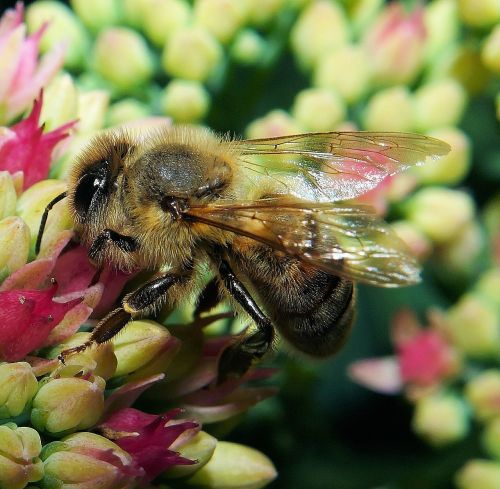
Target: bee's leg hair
[(45, 215), (208, 298), (238, 358), (124, 243)]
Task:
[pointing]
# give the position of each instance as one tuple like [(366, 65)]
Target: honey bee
[(273, 219)]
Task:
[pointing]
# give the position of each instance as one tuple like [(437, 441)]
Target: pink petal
[(378, 374), (11, 19), (113, 281), (73, 271)]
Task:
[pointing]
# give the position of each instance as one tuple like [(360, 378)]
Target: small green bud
[(390, 109), (440, 419), (14, 245), (19, 456), (192, 53), (418, 243), (490, 53), (474, 326), (479, 13), (92, 107), (63, 26), (60, 103), (235, 466), (126, 110), (260, 12), (162, 17), (32, 203), (441, 213), (488, 286), (478, 474), (491, 438), (133, 11), (362, 12), (18, 386), (319, 109), (274, 123), (222, 18), (438, 104), (248, 47), (441, 25), (97, 14), (346, 70), (143, 348), (185, 100), (321, 27), (8, 195), (122, 57), (483, 392), (451, 168), (67, 404)]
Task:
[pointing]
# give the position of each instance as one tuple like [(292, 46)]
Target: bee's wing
[(336, 165), (341, 239)]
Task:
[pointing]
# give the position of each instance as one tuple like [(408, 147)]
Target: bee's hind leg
[(208, 298)]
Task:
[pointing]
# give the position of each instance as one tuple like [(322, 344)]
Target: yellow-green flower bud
[(260, 12), (441, 213), (126, 110), (346, 70), (321, 27), (32, 203), (234, 466), (491, 438), (488, 286), (451, 168), (97, 14), (438, 104), (440, 419), (143, 348), (66, 404), (490, 53), (14, 245), (18, 386), (133, 11), (478, 474), (390, 109), (319, 109), (63, 25), (362, 12), (162, 17), (474, 326), (418, 243), (441, 25), (19, 456), (122, 57), (92, 107), (87, 461), (274, 123), (60, 102), (248, 47), (8, 195), (192, 53), (222, 18), (200, 448), (185, 100), (479, 13), (483, 392)]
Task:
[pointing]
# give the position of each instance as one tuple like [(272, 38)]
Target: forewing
[(345, 240), (336, 165)]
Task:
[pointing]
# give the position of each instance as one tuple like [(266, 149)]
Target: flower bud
[(63, 25), (483, 392), (66, 404), (88, 461), (192, 53), (8, 195), (185, 100), (418, 243), (260, 12), (346, 70), (274, 123), (488, 286), (491, 438), (490, 53), (122, 57), (92, 107), (143, 348), (19, 457), (362, 12), (234, 466), (479, 13), (321, 27), (442, 26), (248, 47), (390, 109), (222, 18), (441, 213), (451, 168), (32, 203), (133, 12), (162, 17), (474, 326), (318, 109), (438, 104), (475, 474), (126, 110), (60, 103), (97, 14), (14, 245), (440, 419), (18, 386)]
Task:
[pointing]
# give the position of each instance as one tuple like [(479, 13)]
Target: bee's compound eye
[(86, 189)]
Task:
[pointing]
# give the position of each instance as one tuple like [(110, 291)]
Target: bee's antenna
[(49, 206)]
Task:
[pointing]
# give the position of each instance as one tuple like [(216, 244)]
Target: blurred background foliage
[(265, 75)]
